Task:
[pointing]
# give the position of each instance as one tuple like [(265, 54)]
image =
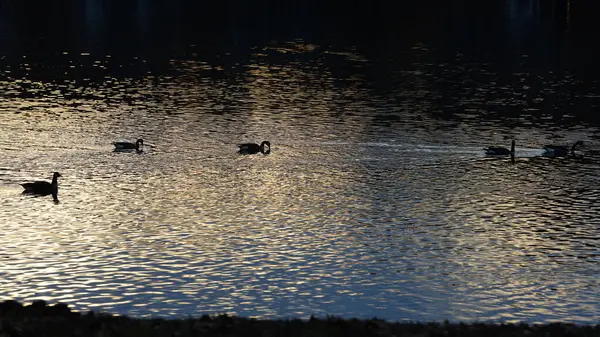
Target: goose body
[(252, 148), (500, 151), (43, 187), (138, 145), (559, 150)]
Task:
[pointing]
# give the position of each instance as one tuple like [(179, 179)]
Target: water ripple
[(376, 199)]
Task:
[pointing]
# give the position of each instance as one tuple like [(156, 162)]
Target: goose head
[(577, 143), (267, 144)]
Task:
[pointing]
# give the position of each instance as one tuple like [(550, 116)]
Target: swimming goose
[(252, 148), (129, 146), (43, 187), (500, 151), (560, 151)]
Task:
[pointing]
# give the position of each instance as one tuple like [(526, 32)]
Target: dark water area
[(171, 28), (377, 198), (543, 40)]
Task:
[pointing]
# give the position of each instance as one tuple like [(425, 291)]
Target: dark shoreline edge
[(40, 319)]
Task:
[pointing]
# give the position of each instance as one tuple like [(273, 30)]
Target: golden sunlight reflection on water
[(366, 205)]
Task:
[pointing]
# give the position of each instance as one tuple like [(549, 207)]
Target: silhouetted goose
[(559, 150), (43, 187), (252, 148), (500, 151), (129, 146)]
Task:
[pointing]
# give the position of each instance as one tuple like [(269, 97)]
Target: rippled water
[(376, 199)]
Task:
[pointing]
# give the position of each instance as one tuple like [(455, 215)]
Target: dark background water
[(549, 38), (494, 30), (376, 200)]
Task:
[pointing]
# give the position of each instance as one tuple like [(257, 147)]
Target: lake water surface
[(376, 199)]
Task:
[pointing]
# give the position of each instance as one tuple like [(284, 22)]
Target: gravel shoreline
[(40, 319)]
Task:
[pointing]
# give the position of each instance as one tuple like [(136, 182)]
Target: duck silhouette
[(252, 148), (559, 150), (138, 145), (500, 151), (43, 187)]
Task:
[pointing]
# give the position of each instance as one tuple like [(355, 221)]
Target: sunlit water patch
[(374, 201)]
